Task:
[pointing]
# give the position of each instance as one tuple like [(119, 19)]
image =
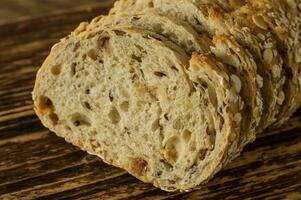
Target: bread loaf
[(184, 34), (228, 50), (172, 90), (138, 109)]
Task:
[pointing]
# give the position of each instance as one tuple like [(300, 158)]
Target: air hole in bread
[(114, 115), (150, 4), (126, 131), (202, 154), (137, 58), (134, 78), (160, 74), (92, 53), (56, 70), (141, 49), (166, 116), (111, 96), (166, 165), (119, 32), (67, 128), (212, 136), (212, 140), (213, 97), (289, 73), (186, 135), (202, 83), (222, 121), (44, 104), (154, 37), (174, 68), (195, 84), (75, 46), (87, 91), (132, 70), (171, 150), (142, 73), (73, 69), (124, 106), (177, 124), (79, 119), (135, 18), (103, 42), (158, 174), (87, 105), (53, 118)]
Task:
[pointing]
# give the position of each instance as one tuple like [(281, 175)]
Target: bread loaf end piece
[(109, 92)]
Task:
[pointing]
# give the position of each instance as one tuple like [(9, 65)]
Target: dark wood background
[(16, 9), (36, 164)]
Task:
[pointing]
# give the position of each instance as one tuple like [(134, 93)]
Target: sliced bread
[(283, 19), (139, 109), (172, 90), (228, 50), (262, 46)]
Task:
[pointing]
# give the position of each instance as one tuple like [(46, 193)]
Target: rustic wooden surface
[(12, 9), (35, 163)]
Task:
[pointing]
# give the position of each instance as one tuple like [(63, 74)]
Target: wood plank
[(259, 162), (14, 9), (35, 163)]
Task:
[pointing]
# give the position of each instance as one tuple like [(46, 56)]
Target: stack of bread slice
[(172, 90)]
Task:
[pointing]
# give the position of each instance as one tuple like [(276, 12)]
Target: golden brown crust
[(283, 19), (265, 49)]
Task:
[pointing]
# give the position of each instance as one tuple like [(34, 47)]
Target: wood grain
[(13, 9), (35, 164)]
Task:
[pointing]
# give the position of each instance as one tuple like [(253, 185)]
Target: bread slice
[(171, 30), (282, 18), (235, 56), (226, 82), (176, 30), (109, 92), (180, 33), (227, 49), (263, 47)]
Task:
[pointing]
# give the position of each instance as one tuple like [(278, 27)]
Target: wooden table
[(35, 163), (12, 9)]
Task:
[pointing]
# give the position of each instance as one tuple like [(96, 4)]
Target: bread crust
[(283, 19)]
